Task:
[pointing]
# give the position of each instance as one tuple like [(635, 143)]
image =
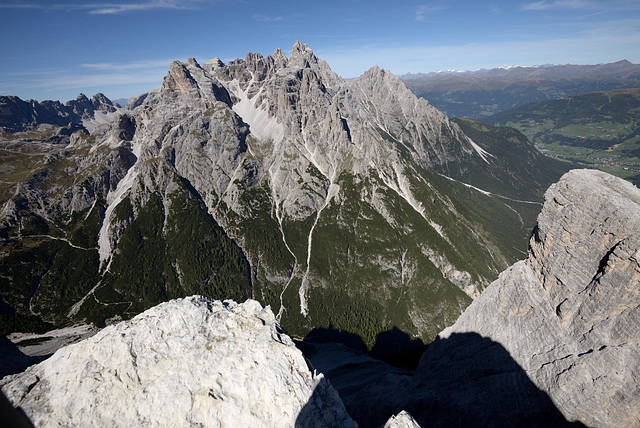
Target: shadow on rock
[(13, 360), (398, 349), (324, 409), (331, 335), (461, 381), (470, 380), (11, 416)]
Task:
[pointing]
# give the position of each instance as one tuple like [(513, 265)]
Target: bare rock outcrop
[(187, 362), (569, 314)]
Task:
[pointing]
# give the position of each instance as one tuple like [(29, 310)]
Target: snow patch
[(261, 125), (99, 118), (482, 152), (113, 199)]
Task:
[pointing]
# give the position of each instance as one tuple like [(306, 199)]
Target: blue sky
[(54, 49)]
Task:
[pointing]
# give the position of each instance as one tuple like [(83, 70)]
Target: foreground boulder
[(187, 362)]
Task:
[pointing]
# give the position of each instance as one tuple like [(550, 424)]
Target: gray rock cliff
[(569, 313)]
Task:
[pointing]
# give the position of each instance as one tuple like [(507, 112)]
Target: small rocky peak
[(258, 65), (81, 106), (100, 102), (179, 77), (378, 79), (193, 62), (402, 420), (302, 56), (253, 58), (213, 64), (376, 72), (81, 100), (279, 58)]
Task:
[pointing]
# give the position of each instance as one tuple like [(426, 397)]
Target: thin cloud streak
[(110, 8), (265, 18), (422, 11), (136, 65), (544, 5)]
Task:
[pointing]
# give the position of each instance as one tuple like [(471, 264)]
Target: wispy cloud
[(609, 42), (423, 11), (124, 79), (108, 8), (580, 4), (135, 65), (266, 18)]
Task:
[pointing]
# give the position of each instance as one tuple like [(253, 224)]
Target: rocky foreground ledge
[(187, 362)]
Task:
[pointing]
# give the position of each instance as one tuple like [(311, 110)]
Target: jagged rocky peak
[(402, 420), (179, 77), (302, 56), (191, 84), (187, 362), (101, 102)]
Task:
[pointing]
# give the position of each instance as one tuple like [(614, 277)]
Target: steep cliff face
[(345, 204), (568, 314), (189, 362)]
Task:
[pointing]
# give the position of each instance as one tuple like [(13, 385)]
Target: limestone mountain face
[(188, 362), (349, 204)]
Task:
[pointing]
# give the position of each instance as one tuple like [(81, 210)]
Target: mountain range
[(352, 218), (345, 205), (481, 93)]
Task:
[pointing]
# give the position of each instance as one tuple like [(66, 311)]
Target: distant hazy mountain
[(18, 115), (599, 129), (350, 205), (121, 101), (480, 93)]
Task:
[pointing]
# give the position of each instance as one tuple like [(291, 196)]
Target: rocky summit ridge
[(17, 115), (341, 204)]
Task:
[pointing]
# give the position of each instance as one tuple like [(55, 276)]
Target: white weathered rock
[(402, 420), (187, 362)]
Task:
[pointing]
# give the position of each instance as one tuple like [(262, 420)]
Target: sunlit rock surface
[(569, 314), (187, 362)]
